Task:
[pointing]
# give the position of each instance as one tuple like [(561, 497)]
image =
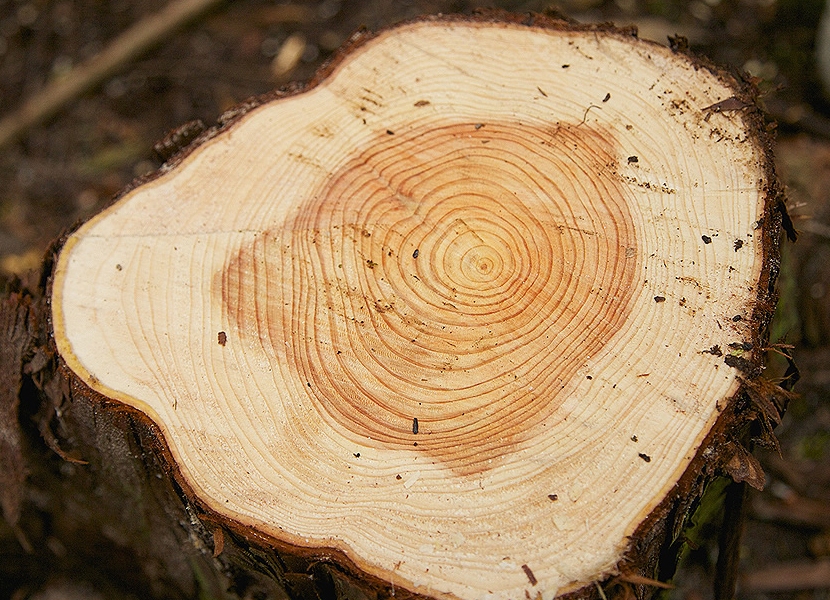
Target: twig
[(726, 569), (789, 576), (794, 510), (642, 580), (136, 40)]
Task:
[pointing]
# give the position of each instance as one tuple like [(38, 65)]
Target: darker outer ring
[(656, 532)]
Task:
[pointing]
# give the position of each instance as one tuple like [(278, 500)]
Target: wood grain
[(524, 268)]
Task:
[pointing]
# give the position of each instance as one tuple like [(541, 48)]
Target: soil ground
[(68, 168)]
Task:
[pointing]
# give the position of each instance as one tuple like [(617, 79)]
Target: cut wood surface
[(462, 312)]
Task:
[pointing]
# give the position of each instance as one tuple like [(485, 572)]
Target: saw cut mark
[(480, 337)]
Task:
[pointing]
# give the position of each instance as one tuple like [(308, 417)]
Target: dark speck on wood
[(223, 338), (738, 245), (645, 457), (706, 239), (659, 298), (415, 254), (633, 159), (530, 576), (415, 425)]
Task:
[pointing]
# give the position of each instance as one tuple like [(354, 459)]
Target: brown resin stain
[(452, 275)]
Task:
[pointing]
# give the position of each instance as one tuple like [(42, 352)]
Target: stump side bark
[(471, 315)]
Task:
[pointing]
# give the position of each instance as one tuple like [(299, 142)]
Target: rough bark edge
[(741, 419), (663, 527), (82, 449), (46, 447)]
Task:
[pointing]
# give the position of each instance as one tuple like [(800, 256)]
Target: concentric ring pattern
[(446, 282)]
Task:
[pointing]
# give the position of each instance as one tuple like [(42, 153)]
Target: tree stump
[(471, 315)]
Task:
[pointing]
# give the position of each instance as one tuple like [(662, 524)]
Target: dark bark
[(15, 327)]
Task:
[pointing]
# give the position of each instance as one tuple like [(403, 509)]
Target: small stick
[(788, 576), (726, 569), (136, 40)]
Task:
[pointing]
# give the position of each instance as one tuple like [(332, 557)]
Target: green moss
[(814, 447)]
